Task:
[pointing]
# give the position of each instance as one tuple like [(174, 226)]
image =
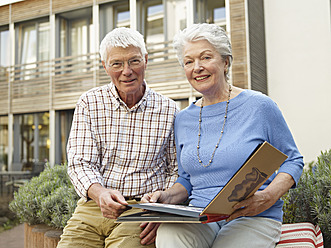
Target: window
[(73, 43), (33, 47), (33, 42), (122, 16), (31, 139), (113, 15), (153, 18), (3, 143), (4, 48), (74, 32), (210, 11), (62, 131), (175, 17)]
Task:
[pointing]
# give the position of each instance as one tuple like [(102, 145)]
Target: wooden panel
[(3, 91), (29, 9), (30, 87), (257, 49), (106, 1), (65, 5), (30, 95), (164, 74), (4, 15), (238, 40), (72, 77)]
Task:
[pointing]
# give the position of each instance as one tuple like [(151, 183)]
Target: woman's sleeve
[(279, 135), (183, 177)]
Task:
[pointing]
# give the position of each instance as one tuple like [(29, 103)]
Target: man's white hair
[(122, 37)]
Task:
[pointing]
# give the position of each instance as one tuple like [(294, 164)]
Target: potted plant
[(47, 199)]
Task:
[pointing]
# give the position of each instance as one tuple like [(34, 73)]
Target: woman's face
[(204, 67)]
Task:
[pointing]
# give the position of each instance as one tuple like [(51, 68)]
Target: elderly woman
[(214, 136)]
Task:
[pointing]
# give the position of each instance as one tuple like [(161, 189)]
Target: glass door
[(33, 47)]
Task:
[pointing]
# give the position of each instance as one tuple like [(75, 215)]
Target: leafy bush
[(310, 201), (49, 198)]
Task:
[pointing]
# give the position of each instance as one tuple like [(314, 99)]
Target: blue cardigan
[(252, 118)]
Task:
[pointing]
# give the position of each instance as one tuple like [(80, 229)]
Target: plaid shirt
[(130, 150)]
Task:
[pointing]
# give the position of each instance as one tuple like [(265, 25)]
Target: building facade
[(49, 57)]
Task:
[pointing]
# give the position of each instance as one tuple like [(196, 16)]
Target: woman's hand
[(174, 195), (157, 196), (262, 200), (254, 205)]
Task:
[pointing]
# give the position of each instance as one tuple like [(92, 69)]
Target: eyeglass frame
[(121, 66)]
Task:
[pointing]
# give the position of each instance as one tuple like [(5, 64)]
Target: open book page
[(170, 208)]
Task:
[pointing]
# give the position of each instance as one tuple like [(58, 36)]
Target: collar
[(118, 102)]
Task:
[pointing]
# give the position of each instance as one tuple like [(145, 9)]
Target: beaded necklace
[(222, 131)]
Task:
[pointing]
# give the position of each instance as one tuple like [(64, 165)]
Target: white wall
[(298, 40)]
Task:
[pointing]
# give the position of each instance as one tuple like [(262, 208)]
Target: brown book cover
[(260, 165)]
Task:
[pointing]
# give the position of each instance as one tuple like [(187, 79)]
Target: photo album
[(259, 166)]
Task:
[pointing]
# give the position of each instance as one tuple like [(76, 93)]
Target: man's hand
[(111, 202), (148, 234)]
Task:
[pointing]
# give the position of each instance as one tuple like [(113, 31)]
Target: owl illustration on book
[(242, 190)]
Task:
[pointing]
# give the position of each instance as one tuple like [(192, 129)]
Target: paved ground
[(13, 238)]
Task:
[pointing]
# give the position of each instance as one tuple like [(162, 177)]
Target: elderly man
[(121, 146)]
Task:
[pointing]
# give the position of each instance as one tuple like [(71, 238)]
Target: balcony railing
[(57, 84)]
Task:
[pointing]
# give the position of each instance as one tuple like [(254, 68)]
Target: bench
[(300, 235)]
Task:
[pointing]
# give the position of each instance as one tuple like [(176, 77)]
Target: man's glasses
[(119, 65)]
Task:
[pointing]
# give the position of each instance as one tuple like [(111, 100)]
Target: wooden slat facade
[(30, 87), (31, 9), (164, 74), (238, 40), (257, 48), (71, 77), (4, 17), (61, 81), (4, 100), (58, 84), (65, 5)]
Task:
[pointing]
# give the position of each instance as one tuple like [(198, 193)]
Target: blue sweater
[(252, 119)]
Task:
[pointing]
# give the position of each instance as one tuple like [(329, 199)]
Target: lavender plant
[(310, 201), (49, 198)]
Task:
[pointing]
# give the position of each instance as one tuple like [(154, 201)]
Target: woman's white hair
[(213, 33), (122, 37)]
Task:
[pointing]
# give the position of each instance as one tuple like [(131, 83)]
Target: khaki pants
[(88, 228)]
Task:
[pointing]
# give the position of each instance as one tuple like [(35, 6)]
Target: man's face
[(128, 79)]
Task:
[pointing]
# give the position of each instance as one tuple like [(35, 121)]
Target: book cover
[(259, 166)]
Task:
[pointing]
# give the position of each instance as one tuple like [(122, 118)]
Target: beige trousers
[(246, 232), (88, 228)]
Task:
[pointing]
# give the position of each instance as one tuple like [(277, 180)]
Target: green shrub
[(310, 201), (49, 198)]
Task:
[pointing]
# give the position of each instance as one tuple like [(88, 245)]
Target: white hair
[(213, 33), (122, 37)]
